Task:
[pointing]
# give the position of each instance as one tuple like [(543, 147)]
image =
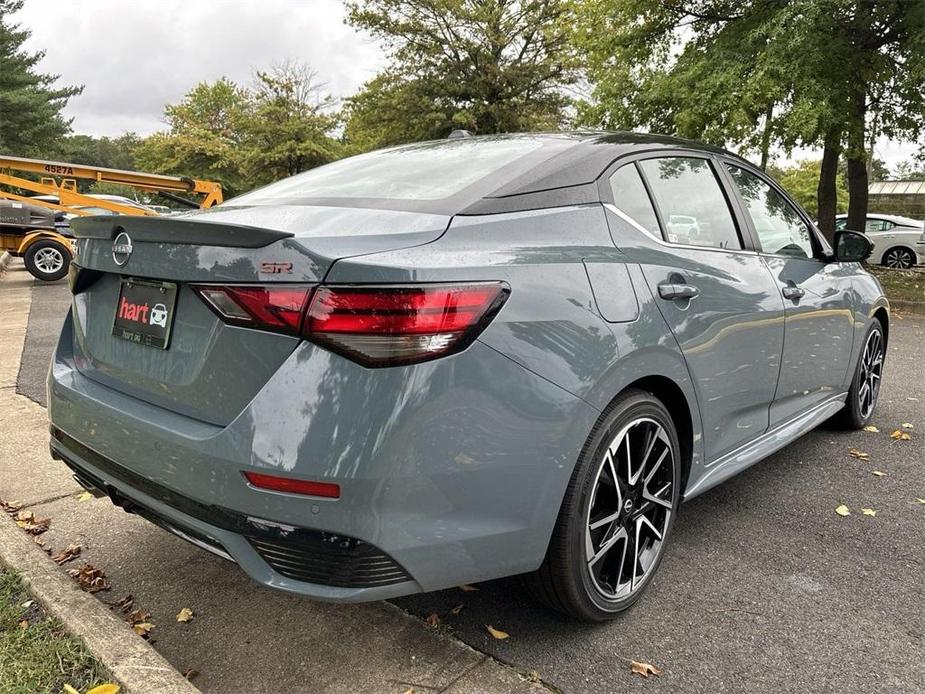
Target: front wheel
[(47, 260), (901, 258), (617, 514), (865, 386)]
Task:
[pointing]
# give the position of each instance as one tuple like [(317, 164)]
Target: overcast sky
[(135, 56)]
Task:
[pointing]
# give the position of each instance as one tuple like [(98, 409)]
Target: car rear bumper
[(450, 472)]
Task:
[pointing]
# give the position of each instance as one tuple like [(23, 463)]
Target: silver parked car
[(897, 240), (453, 361)]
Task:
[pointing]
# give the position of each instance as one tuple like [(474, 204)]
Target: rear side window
[(780, 229), (631, 198), (692, 204)]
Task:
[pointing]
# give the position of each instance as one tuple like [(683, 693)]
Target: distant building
[(905, 198)]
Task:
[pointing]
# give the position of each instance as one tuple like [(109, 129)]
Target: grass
[(904, 285), (41, 656)]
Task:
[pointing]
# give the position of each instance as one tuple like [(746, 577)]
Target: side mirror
[(852, 247)]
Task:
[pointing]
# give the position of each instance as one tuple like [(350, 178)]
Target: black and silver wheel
[(617, 513), (865, 387), (47, 260), (901, 258)]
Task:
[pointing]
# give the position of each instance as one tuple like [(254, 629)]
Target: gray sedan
[(453, 361)]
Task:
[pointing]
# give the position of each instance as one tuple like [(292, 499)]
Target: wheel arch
[(43, 235), (881, 314), (901, 246)]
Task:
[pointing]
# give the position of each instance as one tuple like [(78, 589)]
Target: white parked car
[(898, 241)]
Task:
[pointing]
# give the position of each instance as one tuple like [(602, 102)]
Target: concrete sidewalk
[(243, 638)]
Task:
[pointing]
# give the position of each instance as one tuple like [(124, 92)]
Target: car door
[(673, 217), (819, 322)]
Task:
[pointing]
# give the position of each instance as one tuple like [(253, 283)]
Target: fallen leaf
[(408, 691), (126, 603), (921, 501), (10, 507), (868, 512), (843, 510), (86, 496), (497, 633), (24, 517), (432, 620), (28, 603), (468, 589), (456, 610), (190, 673), (859, 454), (90, 578), (906, 425), (136, 616), (900, 436), (644, 669), (24, 624), (184, 615), (142, 628), (105, 689), (65, 555), (68, 689), (872, 429), (878, 473), (913, 399)]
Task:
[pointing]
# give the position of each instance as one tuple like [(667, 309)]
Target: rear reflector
[(293, 486), (391, 325)]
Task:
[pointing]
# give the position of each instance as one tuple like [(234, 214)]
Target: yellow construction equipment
[(28, 231)]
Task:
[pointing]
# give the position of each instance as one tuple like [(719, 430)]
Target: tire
[(47, 260), (599, 589), (898, 257), (861, 403)]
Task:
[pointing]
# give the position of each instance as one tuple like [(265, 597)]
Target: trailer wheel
[(47, 260)]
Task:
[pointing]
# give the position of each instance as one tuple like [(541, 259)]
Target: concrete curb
[(130, 659)]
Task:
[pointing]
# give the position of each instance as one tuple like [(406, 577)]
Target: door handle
[(677, 291), (793, 293)]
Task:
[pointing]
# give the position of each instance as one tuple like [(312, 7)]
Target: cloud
[(133, 58)]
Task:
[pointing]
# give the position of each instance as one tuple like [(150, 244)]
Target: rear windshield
[(424, 171)]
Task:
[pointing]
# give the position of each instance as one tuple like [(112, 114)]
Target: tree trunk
[(826, 193), (766, 136), (857, 165)]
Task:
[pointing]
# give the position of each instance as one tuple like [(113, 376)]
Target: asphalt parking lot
[(764, 587)]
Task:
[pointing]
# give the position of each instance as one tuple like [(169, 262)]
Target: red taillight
[(373, 325), (293, 486), (390, 325), (266, 307)]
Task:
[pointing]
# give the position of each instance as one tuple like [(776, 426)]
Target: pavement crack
[(465, 673), (47, 500)]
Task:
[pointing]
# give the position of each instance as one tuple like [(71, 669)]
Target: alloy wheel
[(870, 373), (49, 260), (899, 258), (630, 508)]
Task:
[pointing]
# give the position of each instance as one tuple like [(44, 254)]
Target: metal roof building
[(898, 197)]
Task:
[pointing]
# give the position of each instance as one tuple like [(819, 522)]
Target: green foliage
[(40, 656), (488, 66), (245, 137), (31, 123), (801, 181)]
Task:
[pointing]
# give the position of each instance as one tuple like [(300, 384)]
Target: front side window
[(877, 225), (693, 207), (780, 229), (841, 224), (631, 198)]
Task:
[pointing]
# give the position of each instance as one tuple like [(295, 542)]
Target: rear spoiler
[(185, 231)]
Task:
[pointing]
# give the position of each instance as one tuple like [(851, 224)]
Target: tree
[(762, 72), (31, 119), (204, 139), (911, 170), (288, 124), (489, 66), (801, 181)]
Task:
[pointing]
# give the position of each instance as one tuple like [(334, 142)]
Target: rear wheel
[(617, 513), (865, 386), (899, 258), (47, 260)]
